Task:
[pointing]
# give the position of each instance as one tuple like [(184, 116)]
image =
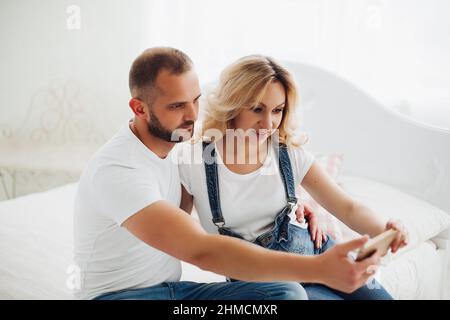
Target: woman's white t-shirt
[(249, 202)]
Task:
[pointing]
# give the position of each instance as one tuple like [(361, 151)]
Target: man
[(130, 233)]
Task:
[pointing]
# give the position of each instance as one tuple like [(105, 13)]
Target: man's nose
[(191, 112)]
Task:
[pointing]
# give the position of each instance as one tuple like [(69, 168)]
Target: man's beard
[(177, 135)]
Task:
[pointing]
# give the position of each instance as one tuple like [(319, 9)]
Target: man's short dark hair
[(147, 66)]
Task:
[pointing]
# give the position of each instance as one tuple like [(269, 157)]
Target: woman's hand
[(316, 228), (402, 238)]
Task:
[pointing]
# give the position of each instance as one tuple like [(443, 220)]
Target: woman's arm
[(330, 196), (187, 200)]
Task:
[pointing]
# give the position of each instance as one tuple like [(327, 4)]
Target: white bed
[(400, 171)]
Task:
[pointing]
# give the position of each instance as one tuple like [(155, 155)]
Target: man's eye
[(176, 106)]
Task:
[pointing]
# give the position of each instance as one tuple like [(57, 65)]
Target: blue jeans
[(187, 290), (299, 241), (372, 291)]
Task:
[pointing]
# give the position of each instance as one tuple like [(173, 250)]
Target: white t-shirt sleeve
[(121, 192), (184, 167), (303, 160)]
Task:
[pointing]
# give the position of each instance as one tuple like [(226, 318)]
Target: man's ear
[(138, 108)]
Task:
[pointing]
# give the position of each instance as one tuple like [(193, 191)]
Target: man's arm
[(168, 228)]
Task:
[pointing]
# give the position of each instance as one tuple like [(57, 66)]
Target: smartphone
[(381, 242)]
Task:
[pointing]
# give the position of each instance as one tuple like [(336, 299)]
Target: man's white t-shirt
[(249, 202), (123, 177)]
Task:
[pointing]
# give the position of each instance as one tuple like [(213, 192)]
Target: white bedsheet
[(36, 245), (36, 252), (417, 274)]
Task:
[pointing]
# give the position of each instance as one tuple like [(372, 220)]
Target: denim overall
[(283, 236)]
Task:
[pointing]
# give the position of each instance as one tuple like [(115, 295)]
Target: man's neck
[(159, 147)]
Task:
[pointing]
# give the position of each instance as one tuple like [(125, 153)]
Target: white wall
[(396, 50), (63, 90), (64, 87), (49, 68)]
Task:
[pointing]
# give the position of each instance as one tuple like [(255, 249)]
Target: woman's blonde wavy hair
[(242, 85)]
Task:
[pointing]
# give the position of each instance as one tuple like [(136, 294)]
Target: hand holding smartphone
[(381, 242)]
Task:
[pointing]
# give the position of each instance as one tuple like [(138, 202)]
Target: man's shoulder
[(112, 158), (120, 149)]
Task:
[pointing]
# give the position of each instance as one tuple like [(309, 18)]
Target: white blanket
[(36, 253)]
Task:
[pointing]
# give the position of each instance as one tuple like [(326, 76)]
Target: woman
[(248, 163)]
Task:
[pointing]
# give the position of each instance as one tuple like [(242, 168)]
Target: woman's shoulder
[(298, 144), (189, 145), (300, 153), (296, 147), (190, 153)]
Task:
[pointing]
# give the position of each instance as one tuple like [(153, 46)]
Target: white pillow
[(423, 220)]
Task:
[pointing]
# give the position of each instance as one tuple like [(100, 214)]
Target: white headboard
[(376, 142)]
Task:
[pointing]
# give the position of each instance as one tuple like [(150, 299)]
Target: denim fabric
[(371, 291), (283, 236), (187, 290)]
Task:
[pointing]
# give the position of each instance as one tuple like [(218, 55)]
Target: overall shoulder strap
[(286, 173), (212, 182)]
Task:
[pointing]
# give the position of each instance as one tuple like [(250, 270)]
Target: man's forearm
[(245, 261)]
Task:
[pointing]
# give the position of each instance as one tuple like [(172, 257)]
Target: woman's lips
[(263, 133)]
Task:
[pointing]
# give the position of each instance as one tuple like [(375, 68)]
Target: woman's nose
[(266, 123)]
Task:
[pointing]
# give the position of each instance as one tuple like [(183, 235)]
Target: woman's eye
[(257, 109), (277, 110)]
